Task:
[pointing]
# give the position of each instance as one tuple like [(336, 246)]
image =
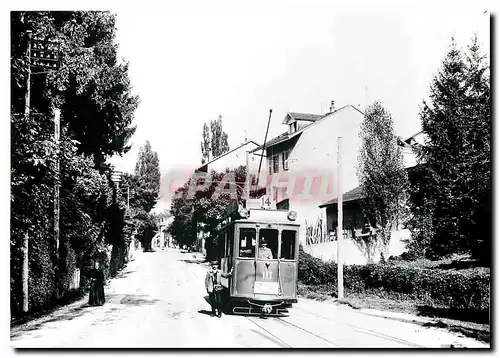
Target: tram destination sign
[(269, 288)]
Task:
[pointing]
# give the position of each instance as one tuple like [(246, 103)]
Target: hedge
[(465, 289)]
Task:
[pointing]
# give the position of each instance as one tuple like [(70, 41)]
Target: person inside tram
[(264, 251)]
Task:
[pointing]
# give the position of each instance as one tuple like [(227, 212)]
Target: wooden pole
[(25, 267), (57, 131), (340, 237)]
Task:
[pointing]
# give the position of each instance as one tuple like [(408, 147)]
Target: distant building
[(232, 159)]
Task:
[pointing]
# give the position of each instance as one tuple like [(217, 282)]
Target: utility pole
[(340, 237), (25, 269), (128, 197), (57, 131), (44, 56)]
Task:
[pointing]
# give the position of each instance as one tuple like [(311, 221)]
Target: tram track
[(365, 330), (275, 337), (289, 324)]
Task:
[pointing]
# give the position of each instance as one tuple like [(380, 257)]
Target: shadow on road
[(66, 316), (476, 316), (135, 300), (124, 274), (106, 311), (192, 261), (206, 312)]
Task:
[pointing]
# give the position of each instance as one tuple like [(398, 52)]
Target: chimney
[(332, 107)]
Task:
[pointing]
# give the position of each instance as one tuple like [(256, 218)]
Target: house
[(409, 146), (356, 229), (233, 159), (301, 166)]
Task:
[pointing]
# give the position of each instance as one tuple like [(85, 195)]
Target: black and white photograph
[(250, 175)]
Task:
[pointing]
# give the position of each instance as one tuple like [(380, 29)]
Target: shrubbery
[(454, 289)]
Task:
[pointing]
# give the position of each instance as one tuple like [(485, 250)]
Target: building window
[(276, 164), (284, 157)]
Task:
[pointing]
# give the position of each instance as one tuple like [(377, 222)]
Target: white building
[(302, 165), (233, 159)]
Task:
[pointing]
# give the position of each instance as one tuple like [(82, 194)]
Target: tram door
[(244, 272), (226, 238)]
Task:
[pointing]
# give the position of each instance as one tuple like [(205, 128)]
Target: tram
[(261, 246)]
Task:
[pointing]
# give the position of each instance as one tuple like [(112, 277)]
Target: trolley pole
[(340, 237), (247, 181), (25, 268)]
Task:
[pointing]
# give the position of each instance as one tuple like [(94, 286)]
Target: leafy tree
[(205, 144), (219, 139), (457, 157), (203, 200), (147, 173), (381, 173), (214, 142), (91, 86), (93, 91)]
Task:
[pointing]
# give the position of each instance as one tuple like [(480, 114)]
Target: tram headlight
[(292, 215), (244, 213)]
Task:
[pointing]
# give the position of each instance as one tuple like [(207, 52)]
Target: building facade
[(302, 165)]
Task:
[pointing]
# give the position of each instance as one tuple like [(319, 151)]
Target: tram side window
[(288, 244), (247, 242)]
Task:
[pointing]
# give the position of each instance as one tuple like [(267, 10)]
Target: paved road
[(159, 302)]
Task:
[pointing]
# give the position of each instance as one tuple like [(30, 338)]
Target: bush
[(467, 289)]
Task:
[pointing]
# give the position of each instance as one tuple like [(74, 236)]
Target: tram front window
[(288, 244), (247, 242), (268, 243)]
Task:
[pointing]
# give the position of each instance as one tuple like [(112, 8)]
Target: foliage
[(457, 156), (92, 90), (214, 142), (205, 144), (466, 289), (381, 173), (91, 86), (147, 178), (202, 201)]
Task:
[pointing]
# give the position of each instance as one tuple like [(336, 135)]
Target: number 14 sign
[(266, 202)]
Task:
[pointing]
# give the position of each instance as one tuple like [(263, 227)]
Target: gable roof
[(286, 136), (409, 139), (228, 152), (351, 195), (302, 117)]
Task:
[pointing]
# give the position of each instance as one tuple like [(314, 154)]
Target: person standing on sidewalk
[(214, 287), (96, 295)]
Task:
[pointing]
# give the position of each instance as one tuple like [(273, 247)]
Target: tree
[(381, 173), (92, 89), (147, 172), (457, 156), (214, 142), (205, 144), (204, 205)]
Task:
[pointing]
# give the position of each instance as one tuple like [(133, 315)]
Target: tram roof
[(271, 216)]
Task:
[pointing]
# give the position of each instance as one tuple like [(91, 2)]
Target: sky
[(190, 62)]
